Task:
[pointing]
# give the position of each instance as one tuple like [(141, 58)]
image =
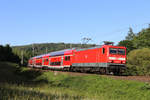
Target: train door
[(67, 60), (42, 61), (98, 55), (102, 55), (49, 61), (62, 60), (46, 61)]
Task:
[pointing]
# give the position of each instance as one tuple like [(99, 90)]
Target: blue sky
[(40, 21)]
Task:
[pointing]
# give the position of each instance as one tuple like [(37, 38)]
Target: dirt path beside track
[(136, 78)]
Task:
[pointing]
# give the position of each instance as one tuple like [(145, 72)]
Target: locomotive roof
[(89, 48), (82, 49)]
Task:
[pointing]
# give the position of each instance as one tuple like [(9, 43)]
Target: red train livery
[(103, 59)]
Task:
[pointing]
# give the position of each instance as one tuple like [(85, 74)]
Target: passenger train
[(104, 59)]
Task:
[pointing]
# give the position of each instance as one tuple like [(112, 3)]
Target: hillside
[(19, 83), (42, 48)]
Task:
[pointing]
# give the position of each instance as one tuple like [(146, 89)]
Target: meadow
[(21, 83)]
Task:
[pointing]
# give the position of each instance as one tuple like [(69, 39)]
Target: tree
[(142, 39), (6, 54), (130, 35), (2, 56), (139, 62), (128, 44)]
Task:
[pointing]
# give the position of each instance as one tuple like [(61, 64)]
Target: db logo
[(86, 56)]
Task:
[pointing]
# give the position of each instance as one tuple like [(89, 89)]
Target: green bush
[(138, 62)]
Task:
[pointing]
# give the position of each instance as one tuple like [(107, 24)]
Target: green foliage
[(146, 86), (21, 92), (128, 44), (6, 54), (139, 62), (136, 41), (22, 53), (142, 39), (130, 35)]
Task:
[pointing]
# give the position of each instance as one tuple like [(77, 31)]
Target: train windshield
[(121, 51), (117, 51), (113, 51)]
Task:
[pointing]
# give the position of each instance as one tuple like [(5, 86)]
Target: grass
[(26, 84), (22, 92)]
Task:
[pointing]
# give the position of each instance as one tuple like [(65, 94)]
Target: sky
[(25, 22)]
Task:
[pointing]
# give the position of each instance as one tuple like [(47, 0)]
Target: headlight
[(121, 59), (112, 58)]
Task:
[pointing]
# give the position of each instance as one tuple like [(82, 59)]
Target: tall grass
[(36, 85), (27, 93)]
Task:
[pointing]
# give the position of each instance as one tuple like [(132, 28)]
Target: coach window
[(103, 51), (46, 60), (52, 63), (67, 58)]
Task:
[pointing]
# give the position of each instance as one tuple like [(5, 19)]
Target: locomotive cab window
[(113, 50), (121, 51), (67, 58), (117, 51)]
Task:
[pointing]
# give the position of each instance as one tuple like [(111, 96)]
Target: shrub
[(138, 62)]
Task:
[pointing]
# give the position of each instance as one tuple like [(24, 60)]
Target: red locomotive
[(103, 59)]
